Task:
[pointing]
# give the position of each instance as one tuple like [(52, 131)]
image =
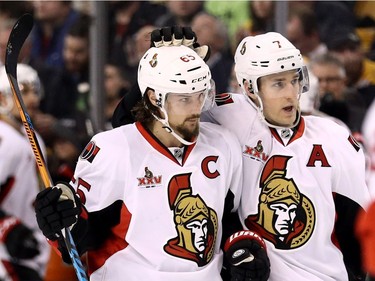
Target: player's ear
[(250, 92), (248, 88), (152, 97)]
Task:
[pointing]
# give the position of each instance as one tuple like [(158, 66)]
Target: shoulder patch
[(223, 98), (90, 151), (354, 143)]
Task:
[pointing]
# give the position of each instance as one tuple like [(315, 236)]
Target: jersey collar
[(281, 135)]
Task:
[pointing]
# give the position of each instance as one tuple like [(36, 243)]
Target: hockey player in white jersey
[(23, 249), (154, 192), (304, 177)]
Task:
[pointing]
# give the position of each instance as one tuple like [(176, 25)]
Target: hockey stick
[(17, 37)]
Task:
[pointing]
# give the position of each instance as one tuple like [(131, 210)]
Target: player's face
[(184, 112), (331, 80), (280, 96)]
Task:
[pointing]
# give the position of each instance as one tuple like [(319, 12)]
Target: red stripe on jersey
[(115, 242), (11, 271)]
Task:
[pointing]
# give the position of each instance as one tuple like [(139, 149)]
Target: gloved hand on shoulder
[(246, 253), (177, 36), (19, 240), (56, 208)]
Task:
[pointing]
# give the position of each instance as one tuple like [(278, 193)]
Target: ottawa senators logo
[(90, 151), (196, 223), (256, 152), (149, 180), (285, 216), (154, 61)]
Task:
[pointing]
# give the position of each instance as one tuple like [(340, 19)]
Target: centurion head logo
[(196, 223), (285, 216)]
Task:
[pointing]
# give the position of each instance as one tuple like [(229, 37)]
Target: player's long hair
[(143, 111)]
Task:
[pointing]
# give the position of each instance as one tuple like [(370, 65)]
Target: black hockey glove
[(19, 240), (246, 253), (177, 36), (56, 208)]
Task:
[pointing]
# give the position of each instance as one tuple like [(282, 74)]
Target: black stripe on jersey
[(354, 143)]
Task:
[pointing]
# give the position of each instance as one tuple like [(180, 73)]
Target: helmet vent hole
[(293, 64), (193, 88), (258, 46), (195, 68), (282, 67), (183, 82)]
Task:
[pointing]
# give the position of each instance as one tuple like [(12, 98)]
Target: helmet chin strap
[(168, 128)]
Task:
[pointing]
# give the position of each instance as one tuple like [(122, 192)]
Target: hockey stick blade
[(18, 36)]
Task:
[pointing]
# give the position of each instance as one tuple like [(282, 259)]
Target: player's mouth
[(289, 109)]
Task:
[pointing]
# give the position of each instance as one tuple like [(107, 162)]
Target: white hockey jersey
[(291, 180), (170, 226), (19, 180)]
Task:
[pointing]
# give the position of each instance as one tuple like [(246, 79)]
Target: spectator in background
[(335, 98), (309, 102), (52, 22), (134, 49), (116, 86), (261, 19), (65, 102), (126, 18), (234, 14), (302, 31), (360, 71), (330, 14), (24, 252), (262, 16), (180, 13), (212, 32), (10, 11)]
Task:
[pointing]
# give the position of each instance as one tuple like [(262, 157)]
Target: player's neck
[(164, 136)]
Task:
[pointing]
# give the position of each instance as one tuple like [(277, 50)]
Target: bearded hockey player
[(151, 195)]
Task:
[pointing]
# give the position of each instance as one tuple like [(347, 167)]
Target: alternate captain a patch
[(90, 151)]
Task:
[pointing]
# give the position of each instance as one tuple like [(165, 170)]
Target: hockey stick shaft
[(18, 35)]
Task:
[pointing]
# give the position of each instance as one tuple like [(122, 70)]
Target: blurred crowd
[(337, 39)]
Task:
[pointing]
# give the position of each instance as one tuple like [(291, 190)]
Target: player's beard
[(186, 131)]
